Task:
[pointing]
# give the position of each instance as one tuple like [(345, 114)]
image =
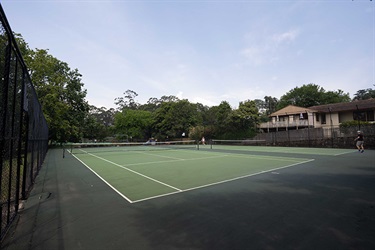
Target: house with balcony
[(321, 116)]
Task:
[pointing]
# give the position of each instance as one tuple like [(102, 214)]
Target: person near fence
[(360, 141)]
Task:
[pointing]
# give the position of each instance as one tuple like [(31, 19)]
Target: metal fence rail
[(23, 128)]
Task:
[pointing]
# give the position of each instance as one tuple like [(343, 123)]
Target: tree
[(128, 101), (311, 95), (60, 92), (103, 115), (335, 97), (218, 119), (98, 123), (364, 94), (154, 103), (134, 123), (92, 129), (151, 105), (174, 118), (270, 104), (260, 104), (243, 121)]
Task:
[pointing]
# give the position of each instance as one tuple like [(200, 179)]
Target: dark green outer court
[(328, 203)]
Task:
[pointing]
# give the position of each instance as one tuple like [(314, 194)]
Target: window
[(324, 119), (317, 115), (303, 116), (370, 116), (359, 115), (367, 115)]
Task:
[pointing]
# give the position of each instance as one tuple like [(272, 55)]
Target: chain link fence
[(23, 128), (334, 137)]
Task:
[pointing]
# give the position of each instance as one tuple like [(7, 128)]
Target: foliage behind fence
[(23, 128)]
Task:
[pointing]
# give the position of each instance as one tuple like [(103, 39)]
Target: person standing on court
[(203, 141), (360, 141)]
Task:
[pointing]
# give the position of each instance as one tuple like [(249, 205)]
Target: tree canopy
[(60, 92), (311, 95), (364, 94)]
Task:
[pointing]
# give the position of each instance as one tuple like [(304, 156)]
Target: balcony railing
[(285, 124)]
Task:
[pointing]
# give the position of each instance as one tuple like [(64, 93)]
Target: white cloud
[(266, 49), (179, 95), (288, 36), (255, 55)]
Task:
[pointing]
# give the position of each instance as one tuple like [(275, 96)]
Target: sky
[(204, 51)]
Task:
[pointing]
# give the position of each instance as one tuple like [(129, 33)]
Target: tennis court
[(224, 197), (139, 172)]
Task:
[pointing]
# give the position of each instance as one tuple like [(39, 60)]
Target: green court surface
[(139, 175), (231, 197)]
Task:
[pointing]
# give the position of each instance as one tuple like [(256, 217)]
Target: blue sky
[(204, 51)]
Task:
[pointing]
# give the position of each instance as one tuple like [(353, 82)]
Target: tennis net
[(237, 143), (77, 148)]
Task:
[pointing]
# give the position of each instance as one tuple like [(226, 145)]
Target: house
[(291, 117), (337, 113), (321, 116)]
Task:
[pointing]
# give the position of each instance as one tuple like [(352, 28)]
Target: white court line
[(224, 181), (135, 172), (161, 156), (354, 151), (122, 195)]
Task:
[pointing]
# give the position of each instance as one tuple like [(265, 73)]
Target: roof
[(292, 110), (346, 106)]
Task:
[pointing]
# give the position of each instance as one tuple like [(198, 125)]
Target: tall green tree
[(364, 94), (103, 115), (243, 121), (270, 104), (60, 92), (98, 123), (135, 124), (151, 105), (218, 119), (127, 101), (174, 118), (93, 130), (311, 95)]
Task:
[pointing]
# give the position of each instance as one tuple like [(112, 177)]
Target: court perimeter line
[(135, 172), (121, 194), (345, 153), (220, 182)]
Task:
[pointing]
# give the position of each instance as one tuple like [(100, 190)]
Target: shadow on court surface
[(328, 203)]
